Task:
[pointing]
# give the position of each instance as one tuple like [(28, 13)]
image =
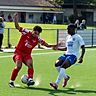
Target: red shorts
[(21, 57)]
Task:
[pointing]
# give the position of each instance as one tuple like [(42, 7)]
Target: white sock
[(61, 75), (11, 81), (58, 69)]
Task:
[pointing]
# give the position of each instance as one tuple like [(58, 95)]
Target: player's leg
[(67, 61), (1, 39), (18, 61), (29, 62), (70, 60), (64, 66), (61, 73), (58, 63)]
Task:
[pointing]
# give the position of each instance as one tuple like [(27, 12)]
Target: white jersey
[(73, 44)]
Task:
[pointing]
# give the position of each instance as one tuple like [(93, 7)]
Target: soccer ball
[(24, 79)]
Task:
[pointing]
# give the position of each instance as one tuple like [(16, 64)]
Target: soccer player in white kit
[(73, 44)]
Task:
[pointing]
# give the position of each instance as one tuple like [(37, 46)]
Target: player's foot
[(11, 84), (30, 82), (54, 85), (66, 81)]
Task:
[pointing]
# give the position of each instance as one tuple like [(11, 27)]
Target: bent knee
[(58, 63), (19, 65), (30, 65), (65, 65)]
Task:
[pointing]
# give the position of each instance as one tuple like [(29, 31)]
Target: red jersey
[(27, 42)]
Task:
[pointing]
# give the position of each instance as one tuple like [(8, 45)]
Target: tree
[(75, 3), (61, 2)]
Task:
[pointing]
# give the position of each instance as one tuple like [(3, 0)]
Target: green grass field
[(82, 82)]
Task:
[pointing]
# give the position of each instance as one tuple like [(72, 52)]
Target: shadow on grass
[(65, 91)]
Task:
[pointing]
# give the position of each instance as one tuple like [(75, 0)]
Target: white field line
[(33, 54)]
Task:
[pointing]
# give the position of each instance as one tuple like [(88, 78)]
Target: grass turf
[(82, 82)]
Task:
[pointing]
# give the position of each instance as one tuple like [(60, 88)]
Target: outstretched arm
[(48, 45), (16, 21), (56, 47), (60, 48)]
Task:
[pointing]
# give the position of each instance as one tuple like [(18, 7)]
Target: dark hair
[(71, 26), (37, 28), (72, 18)]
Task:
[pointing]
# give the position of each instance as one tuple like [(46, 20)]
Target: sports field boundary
[(36, 48), (33, 54)]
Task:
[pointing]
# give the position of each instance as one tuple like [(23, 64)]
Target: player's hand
[(55, 47), (80, 60), (61, 43)]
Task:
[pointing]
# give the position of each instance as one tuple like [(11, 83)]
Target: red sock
[(14, 74), (30, 72)]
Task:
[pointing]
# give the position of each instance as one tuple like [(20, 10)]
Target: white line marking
[(33, 54), (37, 81), (6, 56), (45, 53), (76, 85), (17, 85)]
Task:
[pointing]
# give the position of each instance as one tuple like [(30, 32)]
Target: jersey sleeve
[(81, 41), (41, 41), (23, 30)]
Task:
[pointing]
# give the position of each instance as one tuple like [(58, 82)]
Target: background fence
[(12, 36), (52, 36), (89, 36)]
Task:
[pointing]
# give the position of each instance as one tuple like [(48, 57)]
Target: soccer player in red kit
[(23, 51)]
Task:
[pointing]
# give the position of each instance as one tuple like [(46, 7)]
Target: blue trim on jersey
[(71, 58)]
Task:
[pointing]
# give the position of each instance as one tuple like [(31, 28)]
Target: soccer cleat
[(30, 82), (54, 85), (66, 81), (11, 84)]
